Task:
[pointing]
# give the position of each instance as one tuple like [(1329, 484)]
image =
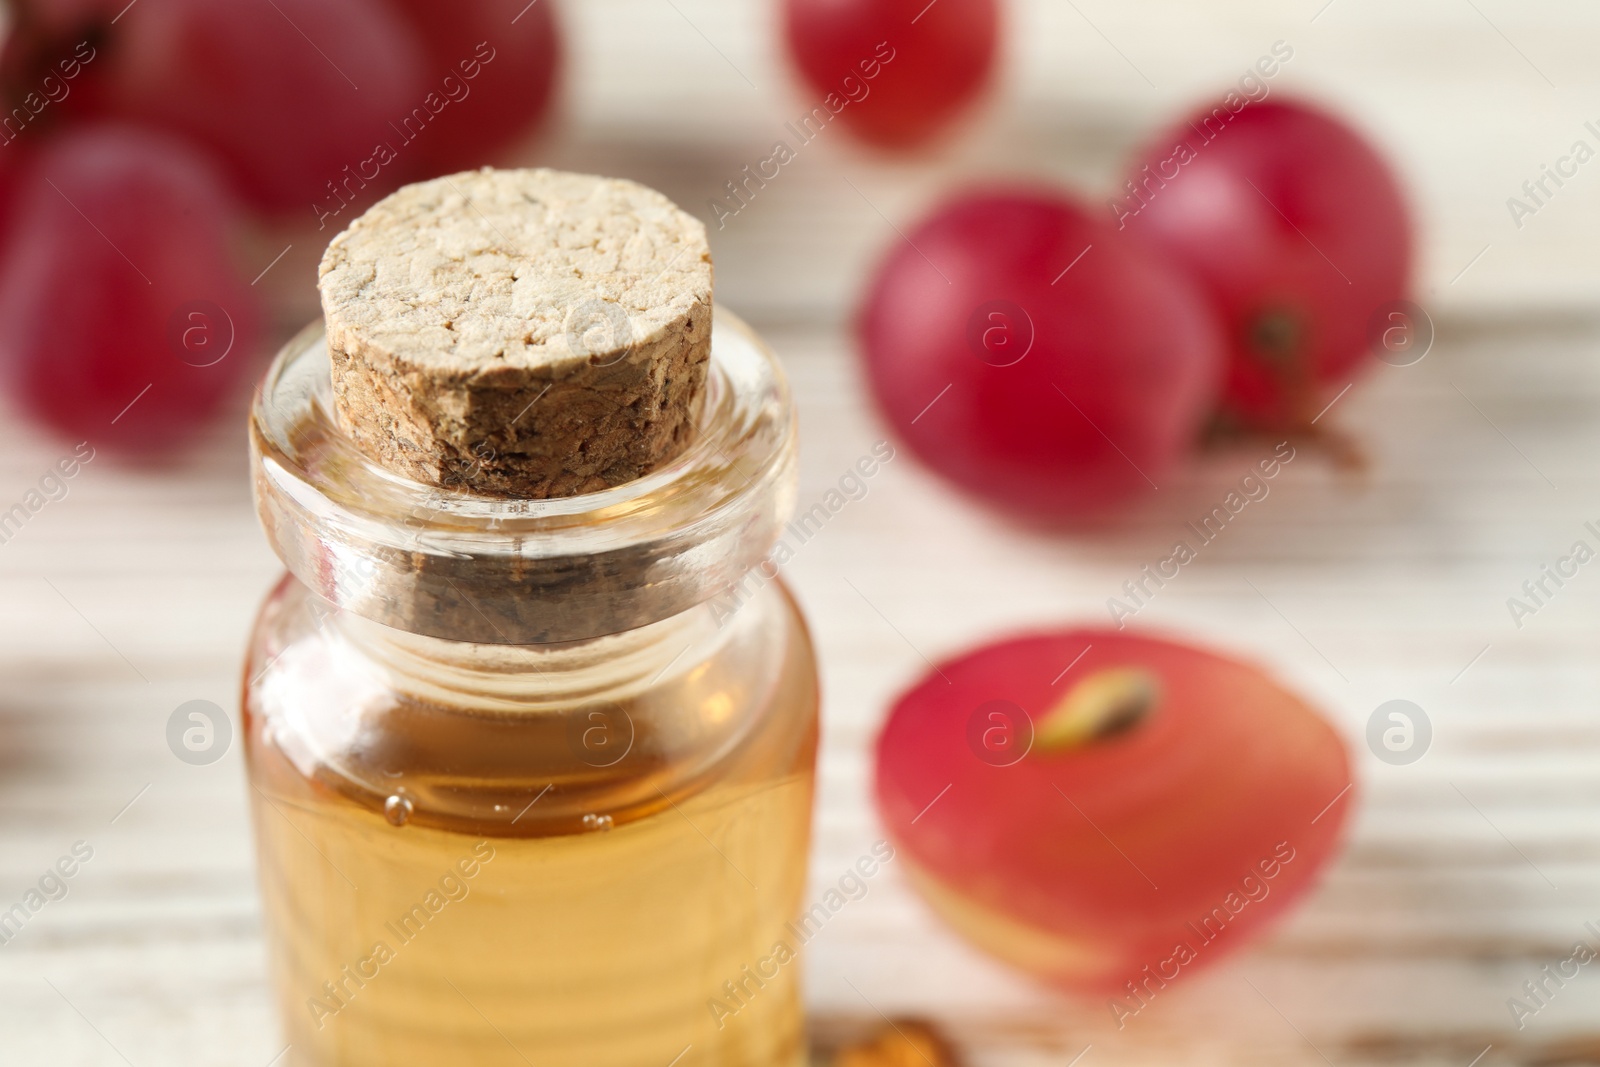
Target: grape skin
[(286, 94), (1120, 357), (1299, 233), (117, 231), (942, 57)]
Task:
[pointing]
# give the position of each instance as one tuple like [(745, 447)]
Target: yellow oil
[(657, 936)]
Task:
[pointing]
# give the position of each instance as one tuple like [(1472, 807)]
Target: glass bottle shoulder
[(513, 740)]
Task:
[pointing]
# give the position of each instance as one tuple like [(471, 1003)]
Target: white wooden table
[(1467, 871)]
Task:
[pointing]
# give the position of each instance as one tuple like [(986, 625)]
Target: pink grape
[(1199, 770), (1297, 229), (287, 93), (509, 93), (899, 71), (1036, 357), (124, 318), (12, 164)]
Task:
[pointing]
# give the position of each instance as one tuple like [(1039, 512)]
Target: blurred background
[(1467, 870)]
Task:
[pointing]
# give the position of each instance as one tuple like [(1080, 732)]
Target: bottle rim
[(459, 566)]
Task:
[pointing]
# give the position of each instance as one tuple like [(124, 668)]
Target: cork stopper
[(519, 333)]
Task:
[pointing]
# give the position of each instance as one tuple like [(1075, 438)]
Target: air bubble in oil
[(397, 809)]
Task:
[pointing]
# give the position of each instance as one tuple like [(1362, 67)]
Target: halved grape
[(1094, 806)]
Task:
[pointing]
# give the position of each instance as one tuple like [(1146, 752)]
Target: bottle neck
[(461, 734), (464, 568), (532, 677)]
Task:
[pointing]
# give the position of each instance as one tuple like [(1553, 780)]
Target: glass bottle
[(531, 781)]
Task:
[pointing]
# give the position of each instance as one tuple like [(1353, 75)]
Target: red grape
[(48, 47), (287, 93), (1081, 802), (1299, 232), (895, 71), (61, 16), (13, 162), (1036, 357), (507, 94), (117, 288)]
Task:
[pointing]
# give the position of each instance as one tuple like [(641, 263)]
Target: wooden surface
[(1468, 870)]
